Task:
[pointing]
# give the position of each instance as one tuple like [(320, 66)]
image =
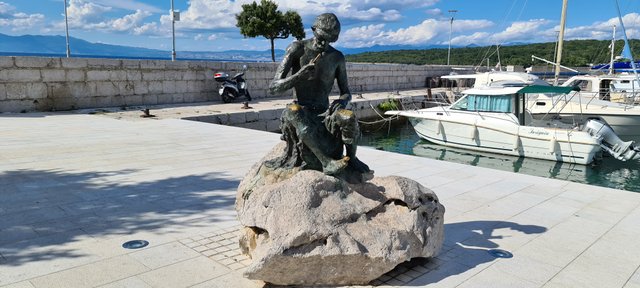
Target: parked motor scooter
[(233, 88)]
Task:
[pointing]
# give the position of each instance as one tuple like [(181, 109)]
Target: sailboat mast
[(626, 43), (563, 20)]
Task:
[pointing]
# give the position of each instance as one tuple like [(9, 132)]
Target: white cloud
[(130, 21), (129, 5), (151, 29), (521, 31), (538, 30), (362, 36), (91, 16), (200, 37), (82, 14), (434, 12), (6, 10), (18, 21), (355, 10), (603, 30), (219, 14), (430, 31)]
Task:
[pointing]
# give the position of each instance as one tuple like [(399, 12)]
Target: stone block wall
[(54, 84)]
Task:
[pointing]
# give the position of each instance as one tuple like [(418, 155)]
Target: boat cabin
[(606, 87), (505, 100)]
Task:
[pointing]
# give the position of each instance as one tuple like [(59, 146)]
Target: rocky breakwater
[(302, 227)]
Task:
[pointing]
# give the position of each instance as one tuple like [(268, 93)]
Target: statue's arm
[(281, 82), (343, 82)]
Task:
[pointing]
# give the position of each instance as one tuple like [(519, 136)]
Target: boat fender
[(474, 132), (552, 145), (440, 128), (516, 143)]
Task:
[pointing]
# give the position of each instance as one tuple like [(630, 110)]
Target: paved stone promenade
[(74, 188)]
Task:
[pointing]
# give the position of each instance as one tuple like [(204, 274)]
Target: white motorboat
[(495, 119), (620, 88), (576, 107), (487, 78)]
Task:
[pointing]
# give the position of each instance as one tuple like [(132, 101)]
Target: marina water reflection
[(401, 138)]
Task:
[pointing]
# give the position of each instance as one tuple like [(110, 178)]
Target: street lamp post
[(173, 32), (450, 31), (66, 25)]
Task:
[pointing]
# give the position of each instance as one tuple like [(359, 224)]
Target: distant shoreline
[(168, 58)]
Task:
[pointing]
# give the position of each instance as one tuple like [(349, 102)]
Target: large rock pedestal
[(307, 228)]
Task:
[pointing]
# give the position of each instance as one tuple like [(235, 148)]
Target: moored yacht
[(494, 119), (620, 88), (576, 107)]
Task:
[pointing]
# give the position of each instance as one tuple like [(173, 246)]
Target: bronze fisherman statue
[(317, 132)]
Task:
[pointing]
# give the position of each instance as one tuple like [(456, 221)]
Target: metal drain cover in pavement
[(135, 244), (499, 253)]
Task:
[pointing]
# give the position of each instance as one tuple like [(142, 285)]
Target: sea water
[(399, 137)]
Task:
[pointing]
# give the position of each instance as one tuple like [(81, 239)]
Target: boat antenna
[(499, 65), (563, 20), (626, 43), (613, 45)]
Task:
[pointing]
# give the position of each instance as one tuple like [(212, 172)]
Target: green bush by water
[(389, 104)]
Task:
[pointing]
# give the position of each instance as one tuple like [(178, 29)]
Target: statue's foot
[(336, 166), (358, 165)]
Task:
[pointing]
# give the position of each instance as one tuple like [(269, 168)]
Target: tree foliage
[(265, 20), (576, 53)]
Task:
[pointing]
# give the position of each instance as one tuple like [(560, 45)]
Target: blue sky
[(209, 25)]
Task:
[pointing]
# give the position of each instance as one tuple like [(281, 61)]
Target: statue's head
[(326, 29)]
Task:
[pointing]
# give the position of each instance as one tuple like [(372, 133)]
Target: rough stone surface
[(307, 228)]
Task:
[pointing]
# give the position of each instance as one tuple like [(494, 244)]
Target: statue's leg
[(311, 132), (350, 135), (292, 156)]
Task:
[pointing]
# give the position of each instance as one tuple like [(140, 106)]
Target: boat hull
[(503, 136)]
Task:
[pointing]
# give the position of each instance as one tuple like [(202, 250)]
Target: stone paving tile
[(95, 274), (163, 255), (613, 273), (184, 274), (496, 278), (449, 274), (634, 281), (131, 282), (527, 269), (232, 279), (222, 247), (23, 284)]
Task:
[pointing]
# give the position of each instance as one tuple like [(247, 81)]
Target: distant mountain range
[(55, 45)]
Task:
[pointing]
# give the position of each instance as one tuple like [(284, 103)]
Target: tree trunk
[(273, 52)]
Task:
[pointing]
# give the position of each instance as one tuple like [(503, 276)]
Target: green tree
[(265, 20), (577, 53)]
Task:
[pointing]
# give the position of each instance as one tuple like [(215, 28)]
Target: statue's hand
[(337, 104), (307, 71)]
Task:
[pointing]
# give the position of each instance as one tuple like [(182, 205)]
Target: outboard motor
[(610, 142)]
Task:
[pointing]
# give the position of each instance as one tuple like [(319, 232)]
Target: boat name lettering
[(538, 132)]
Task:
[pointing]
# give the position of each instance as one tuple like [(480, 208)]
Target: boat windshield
[(583, 84), (485, 103)]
